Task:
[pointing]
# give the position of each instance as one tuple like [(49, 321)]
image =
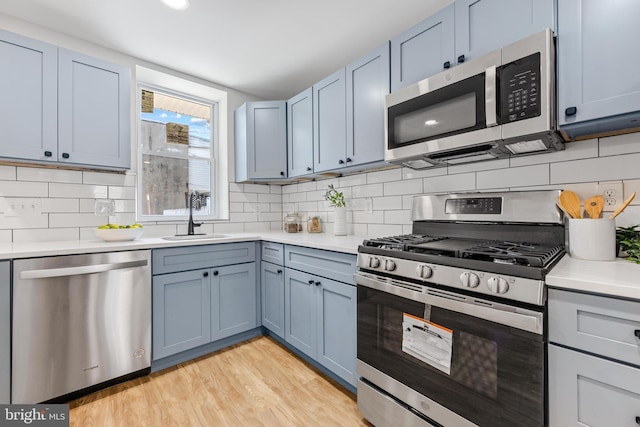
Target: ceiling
[(272, 49)]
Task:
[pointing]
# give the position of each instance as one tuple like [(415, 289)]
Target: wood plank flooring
[(255, 383)]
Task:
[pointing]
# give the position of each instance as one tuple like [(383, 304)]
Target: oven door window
[(496, 375), (448, 111)]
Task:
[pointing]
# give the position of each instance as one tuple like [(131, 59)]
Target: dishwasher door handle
[(77, 271)]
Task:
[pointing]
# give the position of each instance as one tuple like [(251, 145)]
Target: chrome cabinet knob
[(424, 271), (469, 280), (497, 285), (374, 262), (389, 265)]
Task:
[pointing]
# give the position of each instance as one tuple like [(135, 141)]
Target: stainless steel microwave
[(498, 105)]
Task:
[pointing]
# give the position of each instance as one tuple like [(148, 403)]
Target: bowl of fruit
[(119, 233)]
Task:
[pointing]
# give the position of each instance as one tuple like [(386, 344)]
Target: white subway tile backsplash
[(384, 176), (374, 217), (275, 189), (30, 221), (422, 173), (7, 173), (298, 197), (46, 235), (620, 144), (125, 206), (599, 169), (450, 183), (243, 197), (347, 181), (478, 166), (269, 198), (514, 177), (275, 207), (357, 229), (104, 178), (257, 227), (6, 236), (307, 206), (387, 203), (397, 217), (236, 188), (573, 151), (629, 187), (78, 191), (159, 230), (381, 230), (291, 188), (369, 190), (256, 188), (60, 205), (269, 216), (122, 192), (69, 220), (23, 189), (236, 207), (244, 217), (316, 195), (222, 227), (49, 175), (410, 186), (305, 187), (629, 217)]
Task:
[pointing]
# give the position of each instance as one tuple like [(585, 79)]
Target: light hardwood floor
[(255, 383)]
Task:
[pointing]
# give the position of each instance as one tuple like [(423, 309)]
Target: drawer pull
[(637, 333), (637, 420)]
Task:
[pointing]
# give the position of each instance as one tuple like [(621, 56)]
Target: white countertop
[(619, 278), (347, 244)]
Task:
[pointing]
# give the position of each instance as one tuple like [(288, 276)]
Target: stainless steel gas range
[(451, 318)]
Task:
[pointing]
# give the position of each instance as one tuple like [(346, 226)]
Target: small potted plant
[(336, 199), (628, 242)]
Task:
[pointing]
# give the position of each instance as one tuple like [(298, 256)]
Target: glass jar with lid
[(292, 223)]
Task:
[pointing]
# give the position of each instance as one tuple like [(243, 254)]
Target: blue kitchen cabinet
[(234, 300), (181, 312), (5, 332), (329, 118), (29, 88), (261, 140), (300, 311), (484, 25), (272, 289), (598, 80), (423, 50), (93, 111), (368, 83), (300, 134)]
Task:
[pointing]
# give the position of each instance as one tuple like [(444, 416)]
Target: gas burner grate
[(528, 254), (401, 242)]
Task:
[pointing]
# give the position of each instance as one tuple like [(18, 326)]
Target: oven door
[(457, 360)]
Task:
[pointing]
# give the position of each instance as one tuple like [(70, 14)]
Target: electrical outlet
[(21, 207), (613, 194)]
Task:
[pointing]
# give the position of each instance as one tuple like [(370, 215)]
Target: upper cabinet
[(261, 140), (461, 31), (61, 106), (329, 116), (598, 80), (300, 134)]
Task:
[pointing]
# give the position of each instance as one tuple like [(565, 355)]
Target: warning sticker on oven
[(427, 342)]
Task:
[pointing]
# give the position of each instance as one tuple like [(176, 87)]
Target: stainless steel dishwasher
[(79, 321)]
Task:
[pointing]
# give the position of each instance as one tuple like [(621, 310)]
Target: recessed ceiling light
[(177, 4)]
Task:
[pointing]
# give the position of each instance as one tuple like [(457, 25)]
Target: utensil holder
[(592, 239)]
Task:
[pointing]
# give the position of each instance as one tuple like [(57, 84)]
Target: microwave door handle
[(491, 93)]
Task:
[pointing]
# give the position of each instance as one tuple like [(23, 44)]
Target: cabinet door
[(587, 391), (93, 112), (233, 300), (28, 104), (597, 72), (267, 139), (300, 133), (181, 312), (422, 50), (272, 289), (300, 311), (337, 329), (5, 333), (485, 25), (329, 117), (367, 85)]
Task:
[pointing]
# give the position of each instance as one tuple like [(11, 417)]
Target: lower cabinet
[(196, 307), (320, 321), (5, 332), (272, 289)]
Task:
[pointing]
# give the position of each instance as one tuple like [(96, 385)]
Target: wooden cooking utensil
[(571, 203), (623, 206), (593, 206)]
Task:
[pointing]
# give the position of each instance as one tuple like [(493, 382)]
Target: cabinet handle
[(460, 59), (446, 65), (309, 169), (637, 420), (318, 283), (348, 159), (48, 154), (281, 173), (341, 162), (311, 282), (570, 111), (215, 273), (65, 155), (637, 333), (205, 274), (279, 271)]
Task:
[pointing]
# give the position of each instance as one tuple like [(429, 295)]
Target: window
[(179, 151)]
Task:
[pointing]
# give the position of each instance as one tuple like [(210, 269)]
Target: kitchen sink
[(196, 236)]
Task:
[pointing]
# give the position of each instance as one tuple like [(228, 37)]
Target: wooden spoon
[(624, 205), (593, 206), (571, 203)]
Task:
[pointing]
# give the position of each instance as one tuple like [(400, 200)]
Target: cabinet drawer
[(589, 391), (600, 325), (333, 265), (272, 252), (194, 257)]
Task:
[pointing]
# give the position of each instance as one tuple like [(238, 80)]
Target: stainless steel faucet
[(194, 197)]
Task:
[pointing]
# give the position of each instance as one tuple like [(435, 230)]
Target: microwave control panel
[(520, 89)]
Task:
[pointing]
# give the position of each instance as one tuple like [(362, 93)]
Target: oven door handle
[(491, 94), (526, 320)]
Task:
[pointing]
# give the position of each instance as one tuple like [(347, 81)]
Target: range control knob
[(470, 280), (424, 271), (374, 262), (389, 265), (498, 285)]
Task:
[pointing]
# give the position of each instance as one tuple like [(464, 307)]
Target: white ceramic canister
[(592, 239)]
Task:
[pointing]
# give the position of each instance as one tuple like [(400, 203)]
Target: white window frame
[(176, 86)]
